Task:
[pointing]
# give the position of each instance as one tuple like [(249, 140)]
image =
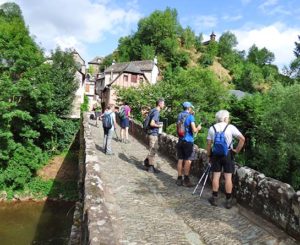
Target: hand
[(235, 151), (199, 127)]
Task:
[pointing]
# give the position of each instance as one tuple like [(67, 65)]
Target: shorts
[(153, 145), (185, 150), (125, 123), (223, 162)]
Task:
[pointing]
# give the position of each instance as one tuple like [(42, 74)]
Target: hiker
[(109, 125), (124, 114), (221, 155), (154, 126), (185, 145)]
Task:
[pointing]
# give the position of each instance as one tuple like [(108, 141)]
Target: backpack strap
[(225, 128)]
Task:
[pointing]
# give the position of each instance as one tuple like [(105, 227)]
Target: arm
[(154, 125), (240, 144), (194, 128), (114, 121)]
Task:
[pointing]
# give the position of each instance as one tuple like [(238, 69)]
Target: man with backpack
[(109, 124), (124, 114), (152, 128), (220, 152), (186, 128)]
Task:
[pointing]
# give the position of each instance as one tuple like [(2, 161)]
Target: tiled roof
[(133, 66), (95, 60)]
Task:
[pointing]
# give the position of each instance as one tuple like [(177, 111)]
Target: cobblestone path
[(150, 209)]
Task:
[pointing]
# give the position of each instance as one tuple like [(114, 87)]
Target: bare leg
[(126, 133), (216, 181), (179, 167), (228, 182), (187, 167)]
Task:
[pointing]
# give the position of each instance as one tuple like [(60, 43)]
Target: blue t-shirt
[(189, 136), (154, 116)]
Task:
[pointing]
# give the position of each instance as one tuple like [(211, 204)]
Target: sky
[(93, 27)]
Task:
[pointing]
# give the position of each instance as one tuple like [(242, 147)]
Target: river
[(35, 222)]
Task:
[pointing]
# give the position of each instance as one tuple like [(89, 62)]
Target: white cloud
[(277, 38), (245, 1), (76, 23), (268, 3), (232, 18), (205, 22)]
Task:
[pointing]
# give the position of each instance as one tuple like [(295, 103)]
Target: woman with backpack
[(124, 114), (220, 152)]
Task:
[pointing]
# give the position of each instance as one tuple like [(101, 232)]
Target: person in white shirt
[(223, 162)]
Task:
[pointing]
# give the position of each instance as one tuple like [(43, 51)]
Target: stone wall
[(92, 223), (274, 200)]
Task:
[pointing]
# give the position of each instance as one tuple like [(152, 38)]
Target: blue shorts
[(125, 123)]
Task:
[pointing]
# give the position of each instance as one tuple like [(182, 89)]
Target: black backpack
[(146, 123), (106, 121)]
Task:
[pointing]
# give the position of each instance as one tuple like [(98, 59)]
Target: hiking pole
[(116, 134), (205, 174)]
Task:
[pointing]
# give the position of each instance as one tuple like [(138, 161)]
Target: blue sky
[(93, 27)]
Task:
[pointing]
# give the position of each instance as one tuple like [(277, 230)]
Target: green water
[(35, 223)]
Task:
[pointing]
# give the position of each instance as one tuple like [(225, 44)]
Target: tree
[(260, 57), (297, 48), (188, 38), (277, 136), (227, 43), (19, 52)]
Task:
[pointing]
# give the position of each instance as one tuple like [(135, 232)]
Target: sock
[(228, 195), (215, 193), (186, 177), (179, 177)]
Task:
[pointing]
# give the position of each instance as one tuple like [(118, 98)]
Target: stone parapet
[(96, 225), (274, 200)]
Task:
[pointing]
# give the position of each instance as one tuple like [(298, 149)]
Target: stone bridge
[(121, 203)]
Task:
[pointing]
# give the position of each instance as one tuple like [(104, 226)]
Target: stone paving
[(149, 208)]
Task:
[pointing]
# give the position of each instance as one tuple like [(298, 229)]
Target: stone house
[(126, 74), (94, 65), (80, 76)]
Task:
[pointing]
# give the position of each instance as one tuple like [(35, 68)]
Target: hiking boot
[(151, 169), (187, 182), (213, 200), (146, 163), (228, 203), (179, 182), (110, 153)]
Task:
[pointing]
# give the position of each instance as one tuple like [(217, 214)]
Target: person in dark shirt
[(153, 133)]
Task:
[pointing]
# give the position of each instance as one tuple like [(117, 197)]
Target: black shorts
[(185, 150), (223, 162)]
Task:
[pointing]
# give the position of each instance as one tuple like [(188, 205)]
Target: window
[(133, 78), (125, 78), (141, 79)]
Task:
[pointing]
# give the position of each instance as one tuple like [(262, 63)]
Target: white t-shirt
[(230, 133)]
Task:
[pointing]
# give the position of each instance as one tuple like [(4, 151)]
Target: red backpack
[(180, 125)]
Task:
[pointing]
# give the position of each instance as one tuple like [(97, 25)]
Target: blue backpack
[(106, 121), (220, 147)]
